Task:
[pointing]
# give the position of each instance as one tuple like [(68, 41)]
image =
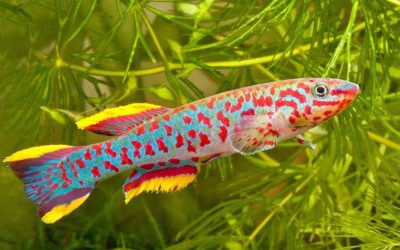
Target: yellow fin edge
[(160, 184), (61, 210), (33, 152), (130, 109)]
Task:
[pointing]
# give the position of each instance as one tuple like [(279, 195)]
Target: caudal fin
[(51, 179)]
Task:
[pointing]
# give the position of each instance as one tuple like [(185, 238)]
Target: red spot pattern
[(190, 147), (147, 166), (192, 133), (296, 113), (204, 119), (149, 149), (303, 86), (327, 113), (316, 118), (64, 174), (72, 166), (222, 118), (248, 112), (268, 101), (247, 97), (125, 160), (272, 90), (320, 103), (261, 101), (87, 155), (292, 119), (167, 118), (193, 107), (137, 145), (238, 106), (161, 145), (81, 163), (186, 119), (227, 106), (179, 140), (109, 151), (307, 110), (174, 161), (97, 148), (168, 129), (95, 172), (295, 93), (140, 131), (210, 105), (281, 103), (223, 133), (255, 99), (204, 139), (110, 166), (154, 126)]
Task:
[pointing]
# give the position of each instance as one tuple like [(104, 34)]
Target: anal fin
[(167, 178)]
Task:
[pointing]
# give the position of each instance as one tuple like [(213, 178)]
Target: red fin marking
[(183, 170)]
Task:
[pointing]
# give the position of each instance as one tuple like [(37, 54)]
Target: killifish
[(163, 147)]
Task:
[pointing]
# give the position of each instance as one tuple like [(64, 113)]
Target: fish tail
[(50, 179)]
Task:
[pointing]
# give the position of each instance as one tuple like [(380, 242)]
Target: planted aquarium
[(204, 124)]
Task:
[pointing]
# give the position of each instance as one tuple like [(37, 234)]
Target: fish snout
[(347, 89)]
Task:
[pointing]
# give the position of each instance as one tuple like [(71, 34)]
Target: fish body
[(163, 146)]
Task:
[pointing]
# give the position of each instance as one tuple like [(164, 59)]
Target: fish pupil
[(321, 90)]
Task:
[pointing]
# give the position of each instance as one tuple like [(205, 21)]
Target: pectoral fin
[(303, 141), (255, 133)]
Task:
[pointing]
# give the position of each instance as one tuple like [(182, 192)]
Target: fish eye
[(320, 90)]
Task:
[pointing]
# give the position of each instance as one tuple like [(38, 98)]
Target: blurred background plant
[(63, 60)]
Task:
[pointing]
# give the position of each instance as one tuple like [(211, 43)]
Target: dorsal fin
[(116, 121)]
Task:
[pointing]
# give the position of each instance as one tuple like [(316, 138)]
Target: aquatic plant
[(62, 60)]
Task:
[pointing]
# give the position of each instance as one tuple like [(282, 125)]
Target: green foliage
[(61, 58)]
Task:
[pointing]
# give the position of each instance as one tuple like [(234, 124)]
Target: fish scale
[(164, 146)]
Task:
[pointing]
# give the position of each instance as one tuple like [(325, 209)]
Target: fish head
[(319, 99)]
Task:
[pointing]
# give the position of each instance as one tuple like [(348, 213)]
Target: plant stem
[(383, 141), (276, 209)]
